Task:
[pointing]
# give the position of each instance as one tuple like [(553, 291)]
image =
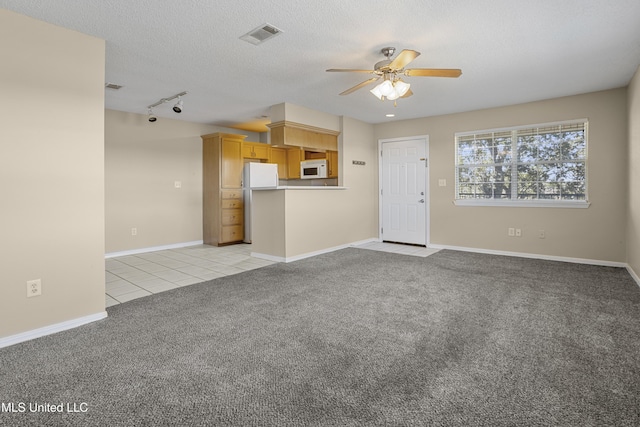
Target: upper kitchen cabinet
[(255, 150), (294, 156), (332, 164), (286, 133), (279, 157)]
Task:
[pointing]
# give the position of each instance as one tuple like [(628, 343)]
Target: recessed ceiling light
[(390, 115)]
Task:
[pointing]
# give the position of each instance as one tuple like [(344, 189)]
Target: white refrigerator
[(256, 175)]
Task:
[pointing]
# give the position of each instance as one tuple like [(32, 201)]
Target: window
[(539, 165)]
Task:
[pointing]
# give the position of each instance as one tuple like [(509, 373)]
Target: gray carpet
[(351, 338)]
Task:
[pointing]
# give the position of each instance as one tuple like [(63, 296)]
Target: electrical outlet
[(177, 184), (518, 232), (134, 231), (511, 232), (442, 182), (34, 288)]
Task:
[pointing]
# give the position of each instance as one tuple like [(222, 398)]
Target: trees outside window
[(534, 163)]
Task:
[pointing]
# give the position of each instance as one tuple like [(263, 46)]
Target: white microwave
[(311, 169)]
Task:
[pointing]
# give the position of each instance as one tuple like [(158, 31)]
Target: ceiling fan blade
[(359, 85), (433, 72), (403, 59), (348, 70), (408, 94)]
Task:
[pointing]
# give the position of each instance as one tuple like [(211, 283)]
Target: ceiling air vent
[(261, 34)]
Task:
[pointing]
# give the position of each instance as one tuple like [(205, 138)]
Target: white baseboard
[(365, 241), (51, 329), (633, 274), (534, 256), (153, 249), (310, 254)]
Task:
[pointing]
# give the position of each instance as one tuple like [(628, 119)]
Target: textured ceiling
[(510, 51)]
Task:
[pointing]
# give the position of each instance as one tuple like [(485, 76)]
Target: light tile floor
[(134, 276), (399, 248)]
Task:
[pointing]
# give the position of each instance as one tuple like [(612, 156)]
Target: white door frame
[(425, 138)]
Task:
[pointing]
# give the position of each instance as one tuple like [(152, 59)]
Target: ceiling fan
[(392, 86)]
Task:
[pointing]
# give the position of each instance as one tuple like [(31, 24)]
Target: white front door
[(404, 188)]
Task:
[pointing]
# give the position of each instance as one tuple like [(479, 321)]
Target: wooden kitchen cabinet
[(286, 133), (279, 157), (294, 156), (222, 207), (332, 164), (255, 150)]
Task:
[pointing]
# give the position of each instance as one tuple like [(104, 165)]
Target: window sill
[(580, 204)]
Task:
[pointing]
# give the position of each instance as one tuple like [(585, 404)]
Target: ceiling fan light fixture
[(393, 95), (401, 87), (377, 93), (386, 88), (392, 87)]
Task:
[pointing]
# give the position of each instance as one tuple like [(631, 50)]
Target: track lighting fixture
[(177, 107)]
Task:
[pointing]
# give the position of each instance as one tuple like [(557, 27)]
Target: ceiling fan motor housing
[(388, 51), (382, 65)]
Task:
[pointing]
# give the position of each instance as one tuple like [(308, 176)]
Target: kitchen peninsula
[(291, 223)]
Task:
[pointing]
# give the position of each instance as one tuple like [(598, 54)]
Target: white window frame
[(523, 203)]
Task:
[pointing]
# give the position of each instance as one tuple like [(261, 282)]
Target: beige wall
[(143, 161), (596, 233), (357, 142), (52, 174), (633, 220)]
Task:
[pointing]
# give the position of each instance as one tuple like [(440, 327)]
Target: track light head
[(178, 107)]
